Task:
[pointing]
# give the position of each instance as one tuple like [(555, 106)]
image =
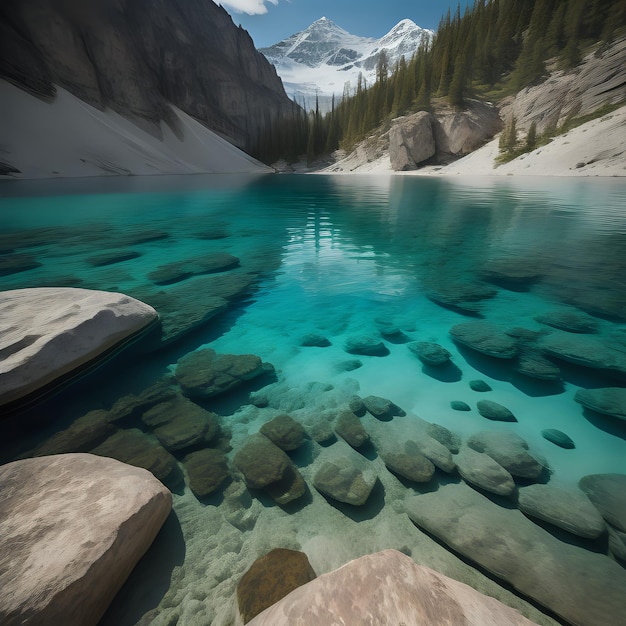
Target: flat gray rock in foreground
[(387, 588), (48, 332), (72, 528), (583, 587)]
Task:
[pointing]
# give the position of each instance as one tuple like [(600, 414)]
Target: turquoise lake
[(398, 260)]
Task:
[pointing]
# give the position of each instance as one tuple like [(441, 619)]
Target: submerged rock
[(314, 340), (583, 350), (479, 469), (617, 544), (509, 450), (181, 424), (185, 306), (349, 365), (558, 437), (181, 270), (15, 263), (607, 400), (485, 338), (436, 452), (82, 435), (571, 320), (445, 437), (350, 429), (579, 585), (270, 578), (409, 464), (204, 373), (135, 448), (382, 408), (534, 365), (261, 462), (459, 405), (285, 432), (387, 588), (494, 411), (480, 386), (607, 492), (73, 528), (265, 466), (464, 298), (345, 481), (50, 333), (512, 275), (429, 353), (568, 509), (133, 405), (366, 346), (207, 470), (115, 256)]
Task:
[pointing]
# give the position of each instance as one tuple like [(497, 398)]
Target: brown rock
[(270, 578), (387, 588)]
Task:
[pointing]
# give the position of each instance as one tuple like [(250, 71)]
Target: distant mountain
[(323, 57)]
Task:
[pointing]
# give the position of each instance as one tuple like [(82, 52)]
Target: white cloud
[(251, 7)]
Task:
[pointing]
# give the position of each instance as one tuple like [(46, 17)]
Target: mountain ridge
[(321, 59)]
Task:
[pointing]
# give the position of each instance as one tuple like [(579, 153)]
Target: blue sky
[(269, 21)]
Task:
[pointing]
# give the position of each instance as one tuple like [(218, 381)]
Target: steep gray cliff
[(137, 56)]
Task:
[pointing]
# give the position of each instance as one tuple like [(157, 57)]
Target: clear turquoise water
[(344, 256)]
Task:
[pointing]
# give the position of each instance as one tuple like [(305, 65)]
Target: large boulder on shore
[(49, 333), (458, 133), (411, 141), (73, 528), (387, 588)]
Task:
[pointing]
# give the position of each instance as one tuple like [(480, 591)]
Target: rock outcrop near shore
[(48, 333), (420, 137), (73, 528)]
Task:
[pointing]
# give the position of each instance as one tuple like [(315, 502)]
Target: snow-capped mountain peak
[(322, 58)]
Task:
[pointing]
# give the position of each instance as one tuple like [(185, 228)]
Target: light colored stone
[(48, 332), (411, 140), (583, 587), (387, 588), (72, 527), (461, 132)]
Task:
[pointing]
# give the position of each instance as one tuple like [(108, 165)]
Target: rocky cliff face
[(600, 79), (137, 56)]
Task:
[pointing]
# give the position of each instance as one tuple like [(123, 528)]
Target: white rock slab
[(72, 527), (46, 333), (387, 588)]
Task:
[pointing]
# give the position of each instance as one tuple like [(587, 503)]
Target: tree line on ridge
[(494, 48)]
